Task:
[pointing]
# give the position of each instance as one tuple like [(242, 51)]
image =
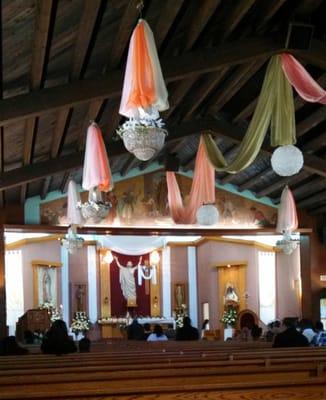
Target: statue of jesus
[(127, 280)]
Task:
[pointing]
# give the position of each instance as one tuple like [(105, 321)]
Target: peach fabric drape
[(144, 88), (74, 216), (202, 189), (287, 219), (97, 171), (302, 81)]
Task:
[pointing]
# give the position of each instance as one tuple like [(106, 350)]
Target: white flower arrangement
[(229, 317), (53, 312), (80, 323), (142, 125)]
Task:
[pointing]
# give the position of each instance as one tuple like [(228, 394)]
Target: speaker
[(299, 36), (171, 163)]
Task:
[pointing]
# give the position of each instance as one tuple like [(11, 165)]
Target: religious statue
[(230, 294), (80, 293), (179, 296), (127, 280), (46, 286)]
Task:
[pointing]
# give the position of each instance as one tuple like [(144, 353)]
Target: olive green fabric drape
[(275, 108)]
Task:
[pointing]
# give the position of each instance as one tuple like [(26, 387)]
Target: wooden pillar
[(3, 327), (305, 269)]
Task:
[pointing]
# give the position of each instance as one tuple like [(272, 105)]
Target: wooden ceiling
[(62, 65)]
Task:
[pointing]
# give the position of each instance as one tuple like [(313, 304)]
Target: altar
[(116, 327)]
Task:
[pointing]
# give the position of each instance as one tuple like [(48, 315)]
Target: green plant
[(229, 317)]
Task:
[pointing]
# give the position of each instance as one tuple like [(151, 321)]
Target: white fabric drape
[(92, 288), (132, 245), (14, 288), (267, 286)]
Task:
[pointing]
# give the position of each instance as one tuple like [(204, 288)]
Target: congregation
[(291, 333)]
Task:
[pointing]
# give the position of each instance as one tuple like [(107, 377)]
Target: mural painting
[(142, 201)]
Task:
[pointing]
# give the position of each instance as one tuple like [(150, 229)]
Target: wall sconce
[(154, 258), (108, 258), (106, 300)]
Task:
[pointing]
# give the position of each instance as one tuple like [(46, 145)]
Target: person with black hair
[(9, 347), (147, 330), (290, 337), (157, 335), (187, 332), (57, 341), (84, 345), (135, 331), (256, 332)]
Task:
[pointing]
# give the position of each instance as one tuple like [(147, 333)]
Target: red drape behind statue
[(118, 302)]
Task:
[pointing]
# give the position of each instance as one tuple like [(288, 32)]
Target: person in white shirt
[(306, 329), (157, 335)]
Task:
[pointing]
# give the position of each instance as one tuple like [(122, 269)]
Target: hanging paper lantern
[(287, 160), (207, 214)]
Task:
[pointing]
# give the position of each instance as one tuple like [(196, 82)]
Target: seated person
[(84, 345), (170, 332), (135, 331), (187, 332), (9, 347), (28, 337), (205, 327), (157, 335), (306, 328), (256, 332), (147, 330), (320, 337), (290, 337), (57, 341)]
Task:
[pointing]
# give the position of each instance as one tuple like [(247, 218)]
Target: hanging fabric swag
[(302, 81), (202, 189), (287, 219), (275, 108)]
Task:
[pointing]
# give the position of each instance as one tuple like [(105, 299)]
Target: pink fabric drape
[(302, 81), (202, 189), (74, 216), (287, 219), (97, 172)]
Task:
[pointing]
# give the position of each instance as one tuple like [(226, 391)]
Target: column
[(3, 328), (166, 281), (192, 279), (65, 284), (92, 289)]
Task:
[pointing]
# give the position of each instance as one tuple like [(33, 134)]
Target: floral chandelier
[(72, 242), (144, 95), (287, 244)]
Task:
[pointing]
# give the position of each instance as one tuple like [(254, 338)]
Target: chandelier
[(94, 209), (72, 242), (287, 244), (143, 137)]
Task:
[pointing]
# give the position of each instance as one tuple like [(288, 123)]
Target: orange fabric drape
[(142, 93), (202, 189)]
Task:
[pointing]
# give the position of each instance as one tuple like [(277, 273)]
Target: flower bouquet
[(53, 312), (80, 323), (229, 317)]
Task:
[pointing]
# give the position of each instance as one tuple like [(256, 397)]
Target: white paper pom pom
[(287, 160)]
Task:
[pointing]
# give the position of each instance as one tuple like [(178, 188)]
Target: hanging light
[(72, 242), (154, 258), (108, 258), (207, 214), (287, 160), (287, 244)]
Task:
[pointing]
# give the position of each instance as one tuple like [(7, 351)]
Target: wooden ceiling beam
[(45, 187), (315, 144), (313, 201), (233, 85), (311, 121), (219, 128), (2, 197), (314, 185), (65, 180), (281, 182), (318, 210), (175, 68), (40, 53), (314, 55), (253, 180), (127, 24)]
